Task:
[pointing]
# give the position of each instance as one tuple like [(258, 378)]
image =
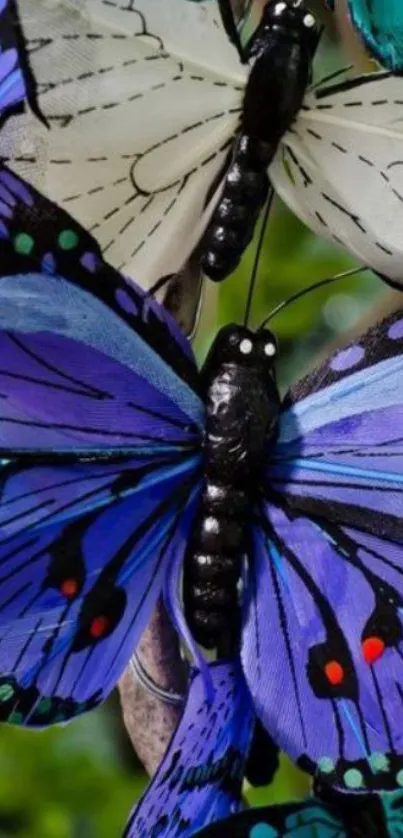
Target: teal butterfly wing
[(380, 24)]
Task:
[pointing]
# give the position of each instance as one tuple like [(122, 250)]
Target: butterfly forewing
[(137, 120)]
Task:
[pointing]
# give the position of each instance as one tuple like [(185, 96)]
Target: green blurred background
[(80, 781)]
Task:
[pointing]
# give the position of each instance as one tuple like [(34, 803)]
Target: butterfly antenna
[(231, 28), (142, 676), (253, 278), (332, 76), (160, 283), (321, 284)]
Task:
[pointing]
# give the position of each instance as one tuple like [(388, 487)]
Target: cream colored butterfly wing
[(340, 168), (140, 101)]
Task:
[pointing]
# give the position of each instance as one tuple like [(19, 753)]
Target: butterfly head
[(240, 347), (293, 19)]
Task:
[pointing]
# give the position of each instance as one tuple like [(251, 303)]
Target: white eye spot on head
[(270, 350), (309, 21), (246, 346), (279, 8)]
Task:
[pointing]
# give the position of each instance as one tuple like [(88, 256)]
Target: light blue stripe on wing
[(345, 470), (376, 387)]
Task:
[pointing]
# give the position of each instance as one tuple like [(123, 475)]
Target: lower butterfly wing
[(135, 130), (84, 551), (326, 598), (293, 820), (339, 168), (200, 778)]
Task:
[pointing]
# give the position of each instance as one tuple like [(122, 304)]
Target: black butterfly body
[(242, 408), (281, 54)]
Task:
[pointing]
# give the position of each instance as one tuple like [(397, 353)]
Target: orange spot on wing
[(334, 673), (98, 627), (69, 588), (373, 649)]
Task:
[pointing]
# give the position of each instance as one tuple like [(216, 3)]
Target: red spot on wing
[(69, 588), (373, 649), (99, 626), (334, 673)]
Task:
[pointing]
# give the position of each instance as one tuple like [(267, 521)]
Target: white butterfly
[(142, 100)]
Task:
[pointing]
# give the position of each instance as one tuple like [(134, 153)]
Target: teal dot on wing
[(262, 830), (59, 718), (326, 765), (16, 718), (6, 692), (24, 244), (399, 777), (68, 240), (378, 762), (353, 778), (44, 705)]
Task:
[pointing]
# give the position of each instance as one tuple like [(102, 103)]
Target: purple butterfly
[(102, 430)]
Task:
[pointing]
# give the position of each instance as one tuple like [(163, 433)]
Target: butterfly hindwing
[(77, 593), (200, 778), (328, 552)]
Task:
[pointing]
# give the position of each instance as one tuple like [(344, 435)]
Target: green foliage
[(66, 782)]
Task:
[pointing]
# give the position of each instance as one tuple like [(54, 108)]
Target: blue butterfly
[(102, 428), (380, 23)]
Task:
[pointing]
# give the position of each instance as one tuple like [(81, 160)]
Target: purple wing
[(37, 236), (200, 778), (88, 361), (13, 80), (84, 551), (326, 599), (100, 425)]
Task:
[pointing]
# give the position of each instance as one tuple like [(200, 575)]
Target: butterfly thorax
[(242, 407), (281, 54)]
